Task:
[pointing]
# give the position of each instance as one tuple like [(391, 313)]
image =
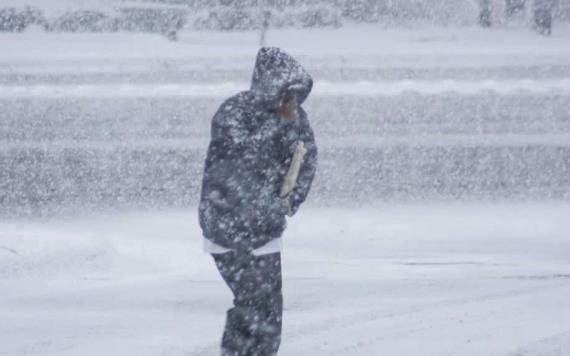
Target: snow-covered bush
[(432, 11), (84, 21), (136, 19), (151, 19), (17, 20), (230, 18)]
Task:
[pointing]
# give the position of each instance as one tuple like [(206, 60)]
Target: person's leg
[(253, 325), (270, 300)]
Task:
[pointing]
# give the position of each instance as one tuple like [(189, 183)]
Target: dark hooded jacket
[(249, 155)]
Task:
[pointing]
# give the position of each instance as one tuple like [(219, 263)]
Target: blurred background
[(106, 104)]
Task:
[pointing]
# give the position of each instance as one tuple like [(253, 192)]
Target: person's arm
[(308, 167)]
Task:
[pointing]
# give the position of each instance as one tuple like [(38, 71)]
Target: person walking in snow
[(259, 168)]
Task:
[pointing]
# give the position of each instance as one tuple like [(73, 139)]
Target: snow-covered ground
[(430, 279), (350, 47)]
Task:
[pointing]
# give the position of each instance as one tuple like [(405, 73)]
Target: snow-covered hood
[(276, 73)]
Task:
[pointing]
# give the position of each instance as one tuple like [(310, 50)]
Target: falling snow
[(437, 222)]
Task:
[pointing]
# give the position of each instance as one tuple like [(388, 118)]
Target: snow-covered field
[(428, 114), (429, 279), (322, 50)]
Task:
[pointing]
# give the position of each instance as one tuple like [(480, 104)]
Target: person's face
[(287, 109)]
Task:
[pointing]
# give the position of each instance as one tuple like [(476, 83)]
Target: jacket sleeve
[(308, 167)]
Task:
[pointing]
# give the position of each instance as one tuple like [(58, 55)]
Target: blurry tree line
[(167, 21), (540, 13), (169, 16)]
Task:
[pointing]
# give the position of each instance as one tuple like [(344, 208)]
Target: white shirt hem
[(273, 246)]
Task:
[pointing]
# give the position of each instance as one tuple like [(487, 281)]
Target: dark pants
[(253, 325)]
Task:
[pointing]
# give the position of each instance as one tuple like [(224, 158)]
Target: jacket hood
[(276, 74)]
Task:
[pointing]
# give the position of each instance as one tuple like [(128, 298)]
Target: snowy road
[(70, 152), (435, 279)]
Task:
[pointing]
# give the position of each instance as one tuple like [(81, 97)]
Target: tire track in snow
[(295, 340), (553, 345)]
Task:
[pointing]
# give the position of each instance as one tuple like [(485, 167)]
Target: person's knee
[(239, 318), (270, 299), (264, 304), (263, 294)]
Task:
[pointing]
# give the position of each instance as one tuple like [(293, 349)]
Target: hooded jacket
[(249, 154)]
